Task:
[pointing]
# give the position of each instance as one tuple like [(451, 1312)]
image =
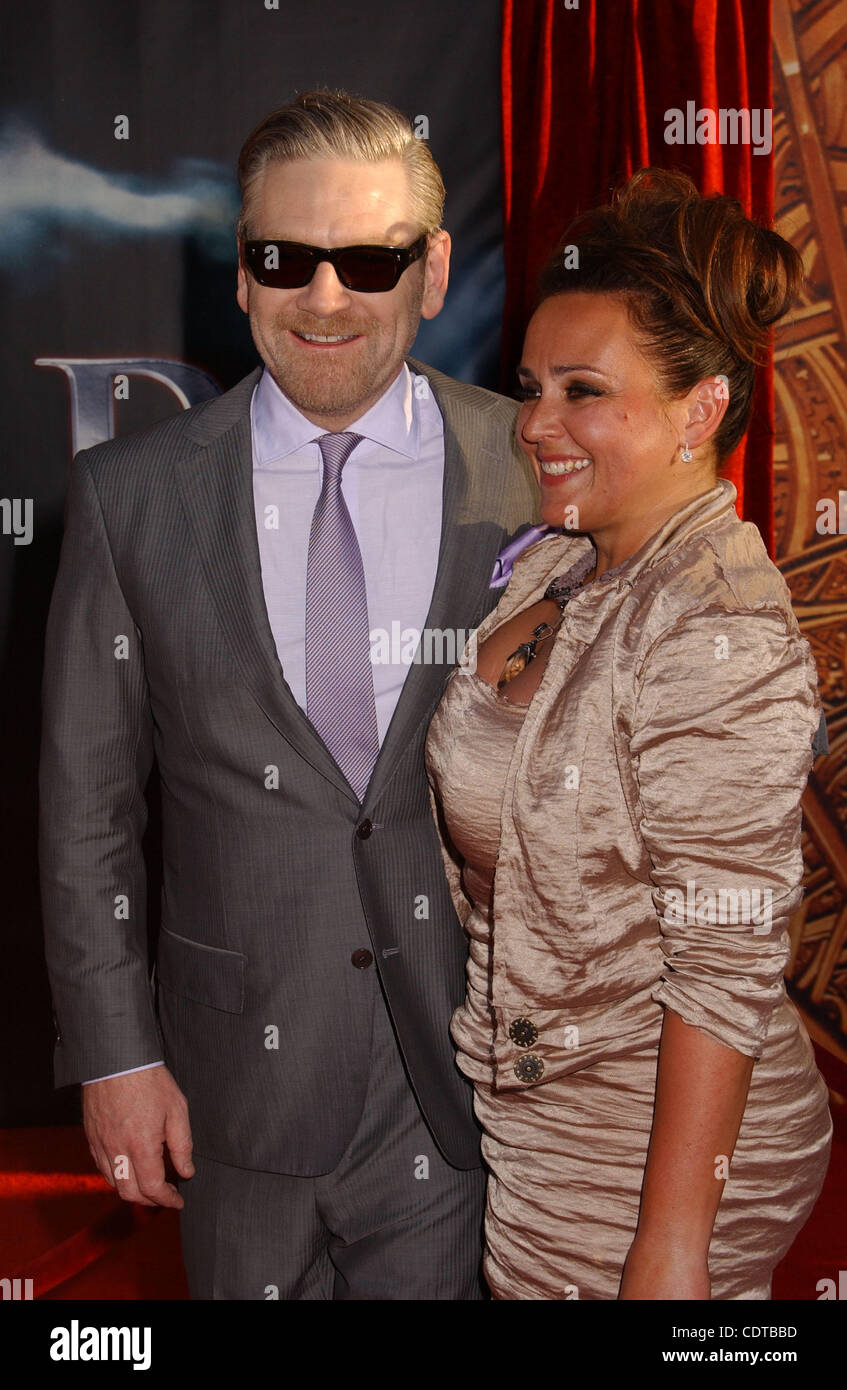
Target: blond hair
[(324, 124)]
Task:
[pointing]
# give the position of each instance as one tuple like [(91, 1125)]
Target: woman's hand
[(653, 1272)]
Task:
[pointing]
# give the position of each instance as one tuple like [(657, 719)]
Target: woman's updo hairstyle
[(701, 282)]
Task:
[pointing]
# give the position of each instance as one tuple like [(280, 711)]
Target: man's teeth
[(321, 338), (572, 466)]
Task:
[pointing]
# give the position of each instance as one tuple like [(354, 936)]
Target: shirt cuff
[(146, 1067)]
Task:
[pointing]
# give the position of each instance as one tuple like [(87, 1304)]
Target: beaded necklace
[(561, 590)]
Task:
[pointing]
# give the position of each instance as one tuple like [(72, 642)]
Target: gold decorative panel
[(810, 462)]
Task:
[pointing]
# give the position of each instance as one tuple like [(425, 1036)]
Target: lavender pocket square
[(502, 571)]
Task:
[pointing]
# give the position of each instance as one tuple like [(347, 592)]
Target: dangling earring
[(686, 454)]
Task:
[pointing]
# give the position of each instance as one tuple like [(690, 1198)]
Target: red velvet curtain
[(585, 91)]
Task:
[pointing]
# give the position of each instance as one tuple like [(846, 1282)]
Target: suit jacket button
[(523, 1032), (364, 830), (529, 1067), (362, 959)]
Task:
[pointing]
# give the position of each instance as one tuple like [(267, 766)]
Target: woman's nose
[(539, 420)]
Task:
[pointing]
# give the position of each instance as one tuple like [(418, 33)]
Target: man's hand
[(127, 1121)]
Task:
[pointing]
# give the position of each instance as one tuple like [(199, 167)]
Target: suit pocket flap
[(206, 974)]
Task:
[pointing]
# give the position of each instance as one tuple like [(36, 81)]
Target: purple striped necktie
[(339, 673)]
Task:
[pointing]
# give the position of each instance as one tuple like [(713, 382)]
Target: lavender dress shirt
[(392, 484)]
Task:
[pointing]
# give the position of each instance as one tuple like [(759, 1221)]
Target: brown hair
[(702, 283), (324, 124)]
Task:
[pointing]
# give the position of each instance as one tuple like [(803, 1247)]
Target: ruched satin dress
[(566, 1153)]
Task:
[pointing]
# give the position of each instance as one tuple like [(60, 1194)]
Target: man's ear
[(241, 293), (436, 274), (707, 403)]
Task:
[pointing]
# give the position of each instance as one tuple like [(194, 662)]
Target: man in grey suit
[(239, 595)]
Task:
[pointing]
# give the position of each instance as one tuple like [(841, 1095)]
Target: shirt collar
[(557, 555), (545, 557), (279, 429), (693, 516)]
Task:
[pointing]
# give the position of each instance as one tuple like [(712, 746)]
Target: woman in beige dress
[(617, 769)]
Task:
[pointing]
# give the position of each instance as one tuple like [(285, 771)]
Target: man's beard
[(340, 383)]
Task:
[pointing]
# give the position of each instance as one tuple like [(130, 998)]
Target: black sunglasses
[(289, 265)]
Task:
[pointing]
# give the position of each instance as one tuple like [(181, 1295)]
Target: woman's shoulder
[(713, 639), (722, 569)]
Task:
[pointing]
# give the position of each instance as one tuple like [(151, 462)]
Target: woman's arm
[(720, 744), (701, 1090)]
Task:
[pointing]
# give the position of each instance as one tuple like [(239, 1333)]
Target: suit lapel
[(466, 557), (215, 483)]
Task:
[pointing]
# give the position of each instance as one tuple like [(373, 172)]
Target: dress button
[(523, 1032), (364, 830), (362, 959), (529, 1067)]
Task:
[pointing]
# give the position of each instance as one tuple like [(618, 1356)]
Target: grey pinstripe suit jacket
[(158, 644)]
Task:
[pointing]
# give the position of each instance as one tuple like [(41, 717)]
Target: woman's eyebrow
[(563, 369)]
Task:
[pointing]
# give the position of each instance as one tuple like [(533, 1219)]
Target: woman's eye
[(576, 389)]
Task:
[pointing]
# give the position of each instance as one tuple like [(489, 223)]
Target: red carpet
[(63, 1227)]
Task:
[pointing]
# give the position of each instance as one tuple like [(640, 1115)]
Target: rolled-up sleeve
[(722, 746)]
